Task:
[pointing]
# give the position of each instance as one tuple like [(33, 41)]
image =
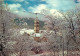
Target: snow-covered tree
[(6, 22)]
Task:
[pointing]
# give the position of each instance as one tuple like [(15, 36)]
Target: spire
[(36, 16)]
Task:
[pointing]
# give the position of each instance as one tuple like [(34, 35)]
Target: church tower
[(37, 35), (36, 25)]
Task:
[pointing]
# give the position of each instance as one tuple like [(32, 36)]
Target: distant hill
[(30, 22)]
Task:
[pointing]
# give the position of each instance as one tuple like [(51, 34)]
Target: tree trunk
[(67, 48)]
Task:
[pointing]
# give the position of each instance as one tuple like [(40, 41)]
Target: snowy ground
[(58, 54)]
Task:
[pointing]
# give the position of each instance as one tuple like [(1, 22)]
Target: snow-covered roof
[(37, 35), (29, 31)]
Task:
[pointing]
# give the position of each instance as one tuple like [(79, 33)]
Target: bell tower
[(36, 25), (37, 35)]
